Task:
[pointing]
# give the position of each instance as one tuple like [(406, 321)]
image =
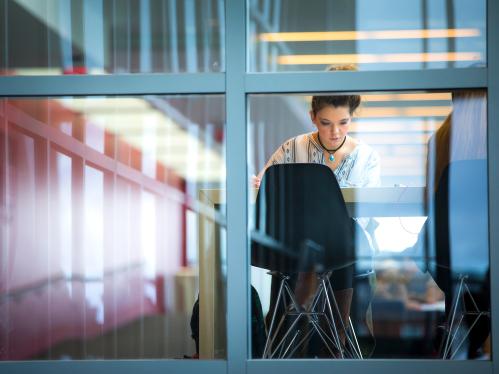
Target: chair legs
[(349, 342), (445, 349), (323, 304)]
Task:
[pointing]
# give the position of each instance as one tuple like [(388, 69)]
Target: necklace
[(331, 151)]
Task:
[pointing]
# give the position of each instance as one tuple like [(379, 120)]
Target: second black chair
[(458, 245)]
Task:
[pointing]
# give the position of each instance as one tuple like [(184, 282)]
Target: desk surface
[(351, 195), (361, 201)]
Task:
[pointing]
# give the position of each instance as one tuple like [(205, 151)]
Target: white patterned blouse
[(360, 168)]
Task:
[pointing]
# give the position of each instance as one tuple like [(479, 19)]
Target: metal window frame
[(237, 84)]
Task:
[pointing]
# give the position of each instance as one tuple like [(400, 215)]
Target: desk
[(360, 202)]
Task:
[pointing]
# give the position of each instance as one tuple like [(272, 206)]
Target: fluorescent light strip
[(394, 139), (381, 58), (362, 126), (365, 35), (408, 97), (420, 111)]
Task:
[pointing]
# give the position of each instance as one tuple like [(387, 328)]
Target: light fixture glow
[(414, 111), (373, 58), (365, 35), (407, 97)]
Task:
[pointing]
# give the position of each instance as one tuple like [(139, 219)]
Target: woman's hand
[(254, 182)]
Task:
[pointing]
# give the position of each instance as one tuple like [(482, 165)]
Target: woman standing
[(354, 164)]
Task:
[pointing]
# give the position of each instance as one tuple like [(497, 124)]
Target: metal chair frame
[(348, 350), (445, 348)]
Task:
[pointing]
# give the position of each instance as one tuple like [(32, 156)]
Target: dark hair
[(350, 101)]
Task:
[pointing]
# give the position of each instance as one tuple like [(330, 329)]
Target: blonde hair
[(342, 67)]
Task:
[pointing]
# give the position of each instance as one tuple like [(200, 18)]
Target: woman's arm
[(255, 180), (269, 163), (277, 158)]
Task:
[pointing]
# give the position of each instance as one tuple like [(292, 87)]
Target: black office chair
[(301, 224), (457, 245)]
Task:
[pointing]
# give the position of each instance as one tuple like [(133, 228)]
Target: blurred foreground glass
[(299, 35), (425, 221), (51, 37), (100, 225)]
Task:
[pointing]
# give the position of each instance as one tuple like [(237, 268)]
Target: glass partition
[(389, 192), (52, 37), (107, 228), (298, 35)]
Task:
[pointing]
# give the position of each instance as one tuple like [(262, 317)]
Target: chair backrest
[(300, 221), (461, 218)]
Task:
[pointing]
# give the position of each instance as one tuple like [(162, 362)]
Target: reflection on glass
[(64, 212), (94, 243), (102, 195), (51, 37), (382, 35), (406, 235)]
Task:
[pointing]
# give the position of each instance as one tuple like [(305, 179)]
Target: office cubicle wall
[(236, 84)]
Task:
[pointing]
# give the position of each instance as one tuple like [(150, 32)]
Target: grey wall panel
[(369, 366), (118, 367), (237, 180), (493, 158), (441, 79), (137, 84)]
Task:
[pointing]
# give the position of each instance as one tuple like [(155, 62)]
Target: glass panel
[(389, 192), (298, 35), (52, 37), (108, 227)]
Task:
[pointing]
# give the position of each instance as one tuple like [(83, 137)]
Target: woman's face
[(333, 124)]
